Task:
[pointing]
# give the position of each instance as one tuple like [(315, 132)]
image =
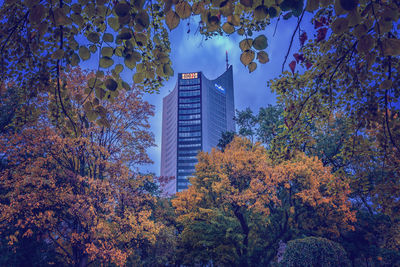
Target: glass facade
[(195, 113), (189, 127)]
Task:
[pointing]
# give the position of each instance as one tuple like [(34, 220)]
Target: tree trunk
[(245, 230)]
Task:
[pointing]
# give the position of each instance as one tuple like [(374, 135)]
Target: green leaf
[(75, 59), (130, 62), (100, 93), (114, 23), (228, 28), (160, 71), (103, 122), (260, 12), (348, 4), (340, 25), (76, 8), (125, 85), (247, 3), (272, 12), (312, 5), (100, 74), (125, 34), (183, 9), (139, 4), (93, 37), (91, 115), (198, 8), (102, 111), (119, 68), (172, 19), (246, 57), (168, 70), (37, 14), (365, 44), (252, 66), (141, 39), (106, 62), (391, 47), (111, 84), (234, 20), (93, 48), (58, 54), (138, 77), (262, 57), (246, 44), (142, 19), (260, 43), (92, 82), (386, 84), (107, 51), (108, 38), (122, 9), (77, 19), (60, 17)]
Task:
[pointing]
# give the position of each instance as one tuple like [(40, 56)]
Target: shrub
[(314, 252)]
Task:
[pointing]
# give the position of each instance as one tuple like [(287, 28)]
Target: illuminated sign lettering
[(189, 75), (220, 88)]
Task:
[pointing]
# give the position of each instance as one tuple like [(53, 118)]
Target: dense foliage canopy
[(71, 141)]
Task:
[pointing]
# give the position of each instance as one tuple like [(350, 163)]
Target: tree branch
[(291, 40)]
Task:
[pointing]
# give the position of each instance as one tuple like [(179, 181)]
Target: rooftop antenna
[(227, 64)]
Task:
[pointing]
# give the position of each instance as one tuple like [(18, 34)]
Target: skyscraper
[(195, 114)]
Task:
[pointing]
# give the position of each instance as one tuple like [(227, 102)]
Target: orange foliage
[(79, 190), (243, 176)]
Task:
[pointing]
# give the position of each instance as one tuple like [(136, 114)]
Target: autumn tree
[(350, 75), (76, 187), (240, 205)]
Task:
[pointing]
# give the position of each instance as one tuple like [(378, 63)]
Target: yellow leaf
[(172, 19)]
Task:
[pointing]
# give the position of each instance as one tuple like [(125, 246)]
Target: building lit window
[(192, 122), (189, 117), (189, 134), (192, 75)]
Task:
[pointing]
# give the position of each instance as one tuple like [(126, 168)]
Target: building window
[(189, 93), (194, 105), (189, 117), (189, 100), (189, 139), (189, 128), (191, 164), (186, 157), (183, 183), (189, 111), (189, 81), (189, 134), (198, 146), (193, 152), (192, 122), (189, 87)]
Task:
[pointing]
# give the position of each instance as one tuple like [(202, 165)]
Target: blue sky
[(191, 53)]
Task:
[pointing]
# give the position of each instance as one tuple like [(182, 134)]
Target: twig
[(276, 25), (58, 75), (386, 108), (341, 61), (9, 36), (291, 40)]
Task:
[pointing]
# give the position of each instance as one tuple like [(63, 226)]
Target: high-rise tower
[(195, 114)]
